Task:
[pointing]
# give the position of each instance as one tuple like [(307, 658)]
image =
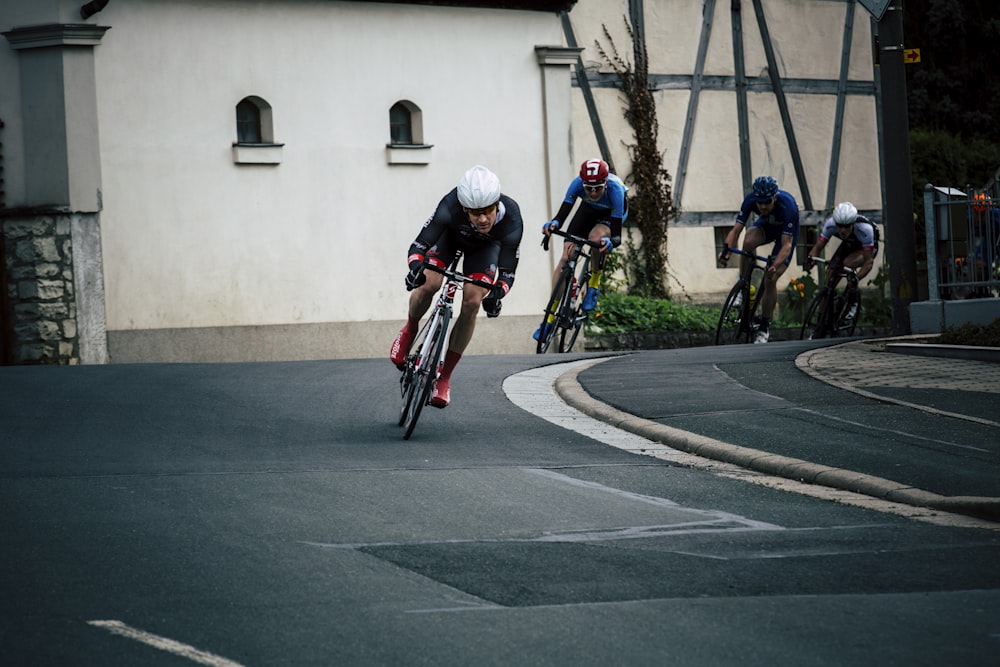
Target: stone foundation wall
[(40, 325)]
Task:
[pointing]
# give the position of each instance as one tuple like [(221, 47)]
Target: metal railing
[(963, 241)]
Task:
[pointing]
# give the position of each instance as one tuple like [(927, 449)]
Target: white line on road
[(164, 644)]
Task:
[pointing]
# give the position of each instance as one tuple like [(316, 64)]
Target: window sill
[(408, 153), (257, 153)]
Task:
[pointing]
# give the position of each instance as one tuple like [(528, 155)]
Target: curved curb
[(568, 387)]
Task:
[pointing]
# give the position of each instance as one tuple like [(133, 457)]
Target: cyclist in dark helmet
[(858, 245), (602, 211), (487, 226), (777, 222)]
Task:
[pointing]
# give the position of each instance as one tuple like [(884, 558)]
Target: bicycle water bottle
[(574, 290), (753, 295)]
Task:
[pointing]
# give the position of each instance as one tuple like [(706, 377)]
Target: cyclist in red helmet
[(599, 218)]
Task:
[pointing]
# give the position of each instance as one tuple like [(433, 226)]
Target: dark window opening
[(248, 123), (400, 128)]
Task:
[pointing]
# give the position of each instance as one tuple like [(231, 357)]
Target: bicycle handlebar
[(726, 250), (572, 238), (842, 267), (457, 277)]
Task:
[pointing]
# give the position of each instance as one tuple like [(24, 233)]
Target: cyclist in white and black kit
[(487, 226), (858, 246)]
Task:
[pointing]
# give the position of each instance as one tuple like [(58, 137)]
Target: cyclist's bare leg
[(465, 323), (855, 260), (754, 237), (771, 291), (422, 297), (567, 253), (461, 334), (599, 231)]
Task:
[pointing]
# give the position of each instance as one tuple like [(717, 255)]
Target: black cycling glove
[(492, 306), (415, 278)]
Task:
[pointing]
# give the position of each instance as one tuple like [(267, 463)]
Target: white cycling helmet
[(845, 214), (478, 188)]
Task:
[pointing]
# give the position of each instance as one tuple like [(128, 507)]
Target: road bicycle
[(737, 322), (564, 315), (426, 355), (832, 314)]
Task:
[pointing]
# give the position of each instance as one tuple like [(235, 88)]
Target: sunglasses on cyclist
[(593, 188), (476, 212)]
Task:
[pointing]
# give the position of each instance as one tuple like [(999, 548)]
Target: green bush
[(987, 335), (619, 313)]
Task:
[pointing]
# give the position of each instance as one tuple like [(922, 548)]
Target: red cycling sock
[(450, 361)]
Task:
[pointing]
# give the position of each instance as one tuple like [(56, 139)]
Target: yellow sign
[(911, 56)]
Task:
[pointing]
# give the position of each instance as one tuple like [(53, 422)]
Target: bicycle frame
[(423, 363), (737, 322), (565, 308), (827, 313)]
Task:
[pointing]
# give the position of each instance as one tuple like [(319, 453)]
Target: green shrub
[(987, 335), (619, 313)]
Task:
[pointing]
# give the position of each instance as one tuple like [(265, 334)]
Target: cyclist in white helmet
[(858, 244), (486, 225)]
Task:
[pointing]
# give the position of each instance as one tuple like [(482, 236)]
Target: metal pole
[(931, 227), (900, 236)]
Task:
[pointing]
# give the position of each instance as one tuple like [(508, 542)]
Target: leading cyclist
[(778, 222), (603, 210), (858, 247), (487, 226)]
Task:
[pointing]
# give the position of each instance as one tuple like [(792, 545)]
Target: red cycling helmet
[(594, 171)]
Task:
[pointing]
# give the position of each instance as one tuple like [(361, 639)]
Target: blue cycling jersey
[(785, 214)]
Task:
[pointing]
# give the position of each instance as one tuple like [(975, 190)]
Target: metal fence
[(963, 241)]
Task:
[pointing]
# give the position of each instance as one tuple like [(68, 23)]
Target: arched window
[(405, 124), (255, 133), (253, 121)]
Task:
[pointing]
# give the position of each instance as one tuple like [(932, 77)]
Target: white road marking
[(164, 644), (911, 436)]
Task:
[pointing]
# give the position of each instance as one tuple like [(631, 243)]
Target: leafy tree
[(650, 201)]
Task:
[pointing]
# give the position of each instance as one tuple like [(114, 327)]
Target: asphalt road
[(271, 514)]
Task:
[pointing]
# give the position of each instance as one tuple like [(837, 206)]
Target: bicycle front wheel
[(406, 387), (574, 316), (732, 327), (425, 372), (552, 319), (846, 325), (815, 326)]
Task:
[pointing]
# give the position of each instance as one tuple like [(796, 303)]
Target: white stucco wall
[(321, 237)]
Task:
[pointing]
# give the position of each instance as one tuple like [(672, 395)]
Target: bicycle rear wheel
[(553, 311), (733, 327), (815, 325), (425, 372)]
